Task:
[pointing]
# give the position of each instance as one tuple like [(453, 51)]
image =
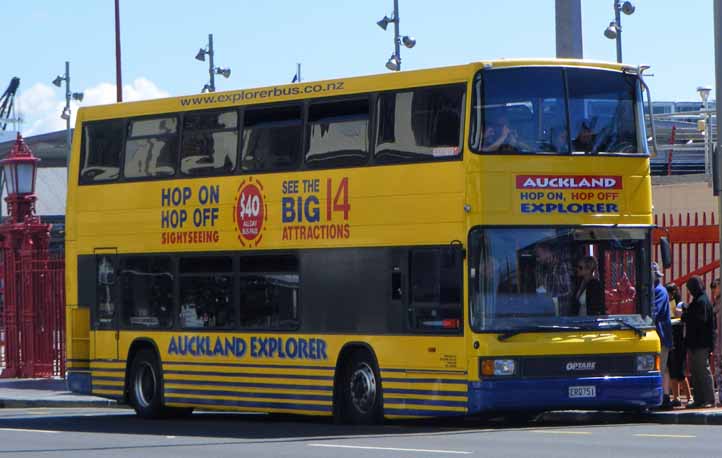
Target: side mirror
[(666, 250)]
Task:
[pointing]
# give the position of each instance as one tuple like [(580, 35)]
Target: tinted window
[(210, 143), (338, 134), (105, 293), (601, 111), (102, 144), (146, 289), (151, 148), (206, 292), (269, 293), (271, 138), (420, 124), (526, 110), (435, 289), (523, 111), (557, 276)]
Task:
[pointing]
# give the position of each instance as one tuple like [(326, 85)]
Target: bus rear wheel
[(146, 385), (361, 397)]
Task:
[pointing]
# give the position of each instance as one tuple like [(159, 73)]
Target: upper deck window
[(151, 148), (555, 111), (420, 124), (210, 143), (271, 138), (102, 142), (338, 134)]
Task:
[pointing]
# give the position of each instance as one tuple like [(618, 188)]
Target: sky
[(261, 41)]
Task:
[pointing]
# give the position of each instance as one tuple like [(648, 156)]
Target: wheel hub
[(363, 388), (145, 384)]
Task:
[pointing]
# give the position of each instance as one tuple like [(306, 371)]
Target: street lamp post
[(614, 31), (58, 81), (212, 70), (23, 241), (703, 92), (394, 62)]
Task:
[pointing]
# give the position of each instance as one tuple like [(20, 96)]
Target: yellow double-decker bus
[(450, 241)]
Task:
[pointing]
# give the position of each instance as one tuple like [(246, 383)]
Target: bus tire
[(146, 385), (360, 390)]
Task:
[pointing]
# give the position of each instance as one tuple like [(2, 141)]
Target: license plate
[(582, 391)]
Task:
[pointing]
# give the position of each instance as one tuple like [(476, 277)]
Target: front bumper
[(622, 393)]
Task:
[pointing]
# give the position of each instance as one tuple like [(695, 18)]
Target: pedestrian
[(660, 313), (678, 383), (698, 319), (716, 360)]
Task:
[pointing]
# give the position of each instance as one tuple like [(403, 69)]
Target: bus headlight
[(498, 367), (647, 363)]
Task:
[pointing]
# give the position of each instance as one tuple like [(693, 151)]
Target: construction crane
[(6, 102)]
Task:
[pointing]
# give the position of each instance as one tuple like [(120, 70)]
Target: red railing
[(694, 239), (33, 330)]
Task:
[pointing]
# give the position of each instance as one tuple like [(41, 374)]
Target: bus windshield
[(556, 110), (552, 276)]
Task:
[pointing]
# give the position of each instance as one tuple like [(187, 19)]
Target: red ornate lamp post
[(24, 241)]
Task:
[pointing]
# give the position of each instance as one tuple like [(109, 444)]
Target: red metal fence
[(694, 239), (33, 324)]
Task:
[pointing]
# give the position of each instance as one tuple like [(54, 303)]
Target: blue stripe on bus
[(425, 392), (426, 402), (260, 405), (422, 413), (109, 379), (117, 388), (236, 394), (424, 371), (250, 385), (427, 380), (251, 375), (271, 366)]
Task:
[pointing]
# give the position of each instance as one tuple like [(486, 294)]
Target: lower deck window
[(269, 292), (146, 291)]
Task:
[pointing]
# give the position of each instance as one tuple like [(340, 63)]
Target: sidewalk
[(26, 393), (679, 416)]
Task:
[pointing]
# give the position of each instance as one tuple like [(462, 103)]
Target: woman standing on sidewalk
[(678, 355), (699, 321)]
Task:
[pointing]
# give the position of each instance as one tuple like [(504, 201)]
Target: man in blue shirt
[(663, 323)]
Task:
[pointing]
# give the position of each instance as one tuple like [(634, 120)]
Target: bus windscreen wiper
[(624, 323), (542, 327)]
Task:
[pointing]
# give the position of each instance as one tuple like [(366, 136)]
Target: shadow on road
[(263, 427)]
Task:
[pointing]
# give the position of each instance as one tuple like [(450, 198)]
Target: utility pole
[(568, 14), (718, 90)]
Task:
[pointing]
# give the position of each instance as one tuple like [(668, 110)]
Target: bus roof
[(323, 88)]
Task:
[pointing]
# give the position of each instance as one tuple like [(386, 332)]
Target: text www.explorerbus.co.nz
[(257, 94)]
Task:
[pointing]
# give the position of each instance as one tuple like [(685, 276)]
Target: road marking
[(673, 436), (392, 449), (170, 437), (30, 430), (553, 431), (38, 412)]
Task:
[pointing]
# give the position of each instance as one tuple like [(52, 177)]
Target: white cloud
[(41, 105)]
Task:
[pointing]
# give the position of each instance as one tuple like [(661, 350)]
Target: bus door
[(105, 315), (434, 306)]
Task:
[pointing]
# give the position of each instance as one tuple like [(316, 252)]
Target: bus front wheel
[(145, 385), (361, 398)]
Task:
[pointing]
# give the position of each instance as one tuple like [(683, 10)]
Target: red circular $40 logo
[(250, 212)]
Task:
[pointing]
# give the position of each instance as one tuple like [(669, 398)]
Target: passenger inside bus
[(589, 296), (500, 136)]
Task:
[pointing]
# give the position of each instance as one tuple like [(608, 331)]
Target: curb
[(30, 403), (670, 418)]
